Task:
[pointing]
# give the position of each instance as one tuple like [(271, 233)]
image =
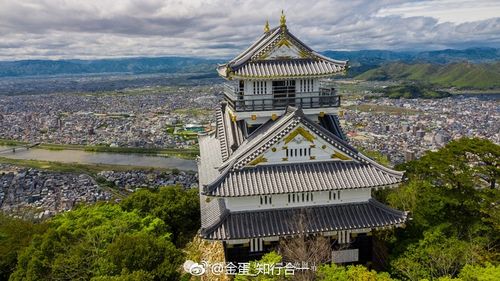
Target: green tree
[(454, 205), (434, 256), (100, 240), (488, 272), (177, 207), (139, 275), (15, 235)]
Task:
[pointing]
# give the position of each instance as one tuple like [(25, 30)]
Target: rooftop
[(234, 174), (292, 221), (277, 53)]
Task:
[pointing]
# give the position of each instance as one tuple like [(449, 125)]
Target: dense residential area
[(133, 118)]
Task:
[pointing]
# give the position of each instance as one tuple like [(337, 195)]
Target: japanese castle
[(278, 163)]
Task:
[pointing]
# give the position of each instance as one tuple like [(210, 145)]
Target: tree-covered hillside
[(459, 75), (139, 239)]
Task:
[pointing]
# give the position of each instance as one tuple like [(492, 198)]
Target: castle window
[(306, 85), (300, 197), (266, 200), (332, 195), (259, 87), (298, 152)]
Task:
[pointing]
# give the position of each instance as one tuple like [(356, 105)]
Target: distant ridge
[(461, 75), (360, 61), (138, 65)]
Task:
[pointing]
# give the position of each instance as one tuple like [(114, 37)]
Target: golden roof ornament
[(282, 19), (266, 27)]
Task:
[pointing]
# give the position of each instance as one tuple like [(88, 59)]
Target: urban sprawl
[(401, 129)]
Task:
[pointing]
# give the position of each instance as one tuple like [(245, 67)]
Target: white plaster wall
[(317, 151), (248, 203)]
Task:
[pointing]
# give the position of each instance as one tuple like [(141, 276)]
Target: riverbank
[(69, 156), (183, 153), (90, 169)]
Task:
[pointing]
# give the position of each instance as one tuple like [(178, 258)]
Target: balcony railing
[(324, 98)]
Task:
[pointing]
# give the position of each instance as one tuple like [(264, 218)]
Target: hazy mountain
[(360, 61), (119, 65)]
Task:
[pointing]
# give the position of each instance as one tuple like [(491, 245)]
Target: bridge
[(20, 147)]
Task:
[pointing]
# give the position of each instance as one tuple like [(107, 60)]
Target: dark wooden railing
[(322, 99)]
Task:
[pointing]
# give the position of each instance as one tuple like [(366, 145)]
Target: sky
[(85, 29)]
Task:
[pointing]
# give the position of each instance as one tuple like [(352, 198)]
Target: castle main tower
[(278, 163)]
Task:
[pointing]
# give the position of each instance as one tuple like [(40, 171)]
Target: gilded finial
[(266, 27), (283, 19)]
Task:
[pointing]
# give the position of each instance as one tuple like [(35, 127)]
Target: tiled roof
[(282, 222), (221, 133), (213, 210), (288, 68), (273, 131), (303, 177), (249, 64), (332, 124), (236, 179), (230, 134)]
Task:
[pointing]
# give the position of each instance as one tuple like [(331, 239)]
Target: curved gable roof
[(249, 64), (235, 168)]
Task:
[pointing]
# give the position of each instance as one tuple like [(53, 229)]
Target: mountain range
[(139, 65), (360, 61)]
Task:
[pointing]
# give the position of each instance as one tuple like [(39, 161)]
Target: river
[(85, 157)]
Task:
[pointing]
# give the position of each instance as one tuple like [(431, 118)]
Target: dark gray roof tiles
[(291, 221), (302, 177), (221, 133), (332, 124), (230, 134), (213, 210)]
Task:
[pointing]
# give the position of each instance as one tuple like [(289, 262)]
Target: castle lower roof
[(293, 221)]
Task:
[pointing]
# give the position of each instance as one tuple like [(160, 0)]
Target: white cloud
[(109, 28), (454, 11)]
